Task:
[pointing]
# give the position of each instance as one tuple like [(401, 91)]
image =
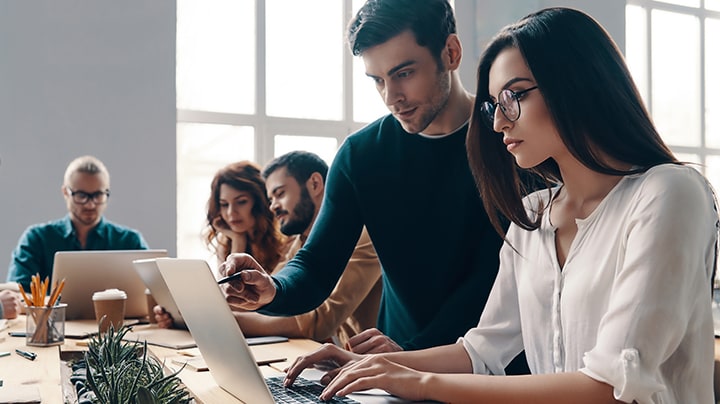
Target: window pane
[(305, 59), (712, 171), (689, 3), (636, 46), (712, 5), (712, 83), (325, 147), (216, 55), (676, 77), (688, 158), (202, 149)]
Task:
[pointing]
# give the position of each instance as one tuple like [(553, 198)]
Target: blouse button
[(629, 355)]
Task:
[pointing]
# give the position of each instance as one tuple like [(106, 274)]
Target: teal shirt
[(35, 252), (423, 212)]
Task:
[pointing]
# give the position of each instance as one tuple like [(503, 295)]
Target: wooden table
[(21, 376), (203, 386), (42, 377)]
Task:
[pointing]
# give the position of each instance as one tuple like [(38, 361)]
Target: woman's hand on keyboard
[(328, 358), (377, 372)]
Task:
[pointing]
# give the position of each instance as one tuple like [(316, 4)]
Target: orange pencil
[(32, 291), (52, 293), (46, 285), (56, 293), (38, 291), (24, 295)]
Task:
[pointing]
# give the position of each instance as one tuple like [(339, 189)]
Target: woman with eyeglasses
[(605, 276)]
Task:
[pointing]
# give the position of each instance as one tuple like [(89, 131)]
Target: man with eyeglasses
[(86, 190)]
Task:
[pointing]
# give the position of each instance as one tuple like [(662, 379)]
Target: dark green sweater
[(419, 202)]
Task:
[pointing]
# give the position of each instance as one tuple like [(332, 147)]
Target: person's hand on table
[(162, 317), (253, 290), (10, 301), (372, 341)]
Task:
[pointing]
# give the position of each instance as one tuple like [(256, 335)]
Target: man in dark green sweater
[(406, 178)]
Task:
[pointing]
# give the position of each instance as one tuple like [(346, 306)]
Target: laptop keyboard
[(302, 391)]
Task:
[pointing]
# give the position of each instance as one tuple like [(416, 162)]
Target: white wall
[(479, 20), (87, 77)]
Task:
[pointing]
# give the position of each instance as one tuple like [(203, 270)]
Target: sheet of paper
[(20, 395)]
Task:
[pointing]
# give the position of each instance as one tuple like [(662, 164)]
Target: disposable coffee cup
[(109, 308)]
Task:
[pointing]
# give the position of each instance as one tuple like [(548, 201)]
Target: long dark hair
[(590, 96), (265, 238)]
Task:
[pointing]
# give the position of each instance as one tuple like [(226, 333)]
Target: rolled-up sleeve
[(660, 299)]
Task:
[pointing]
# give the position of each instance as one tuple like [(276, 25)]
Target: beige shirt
[(353, 304)]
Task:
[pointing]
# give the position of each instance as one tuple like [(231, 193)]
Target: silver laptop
[(219, 338), (86, 272), (150, 274)]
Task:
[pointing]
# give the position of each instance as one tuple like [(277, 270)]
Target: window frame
[(703, 151), (266, 127)]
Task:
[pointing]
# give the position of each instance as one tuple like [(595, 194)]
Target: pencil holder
[(45, 325)]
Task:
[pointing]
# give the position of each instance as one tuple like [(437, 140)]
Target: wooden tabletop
[(41, 378), (23, 378)]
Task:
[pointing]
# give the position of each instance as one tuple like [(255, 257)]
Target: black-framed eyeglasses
[(82, 197), (509, 102)]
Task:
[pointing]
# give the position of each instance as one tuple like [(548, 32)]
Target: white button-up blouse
[(631, 307)]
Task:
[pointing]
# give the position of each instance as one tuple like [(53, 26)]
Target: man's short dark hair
[(299, 164), (377, 21)]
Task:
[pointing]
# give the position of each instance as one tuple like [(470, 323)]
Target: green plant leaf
[(120, 371)]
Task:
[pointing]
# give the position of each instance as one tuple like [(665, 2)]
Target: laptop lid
[(86, 272), (150, 274), (213, 326)]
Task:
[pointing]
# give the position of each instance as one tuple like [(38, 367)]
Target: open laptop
[(175, 337), (220, 340), (86, 272), (150, 274)]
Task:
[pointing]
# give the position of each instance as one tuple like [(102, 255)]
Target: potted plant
[(116, 371)]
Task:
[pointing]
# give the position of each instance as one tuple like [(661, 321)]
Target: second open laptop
[(150, 274), (86, 272), (218, 336)]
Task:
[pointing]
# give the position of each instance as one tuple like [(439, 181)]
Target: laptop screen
[(86, 272)]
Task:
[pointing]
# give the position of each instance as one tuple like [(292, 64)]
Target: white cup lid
[(109, 294)]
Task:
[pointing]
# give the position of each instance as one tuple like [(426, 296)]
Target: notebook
[(217, 334), (86, 272), (149, 273)]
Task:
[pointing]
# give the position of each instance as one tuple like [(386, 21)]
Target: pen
[(229, 278), (27, 355)]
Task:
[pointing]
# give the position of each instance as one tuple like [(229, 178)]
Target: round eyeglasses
[(509, 102), (82, 197)]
